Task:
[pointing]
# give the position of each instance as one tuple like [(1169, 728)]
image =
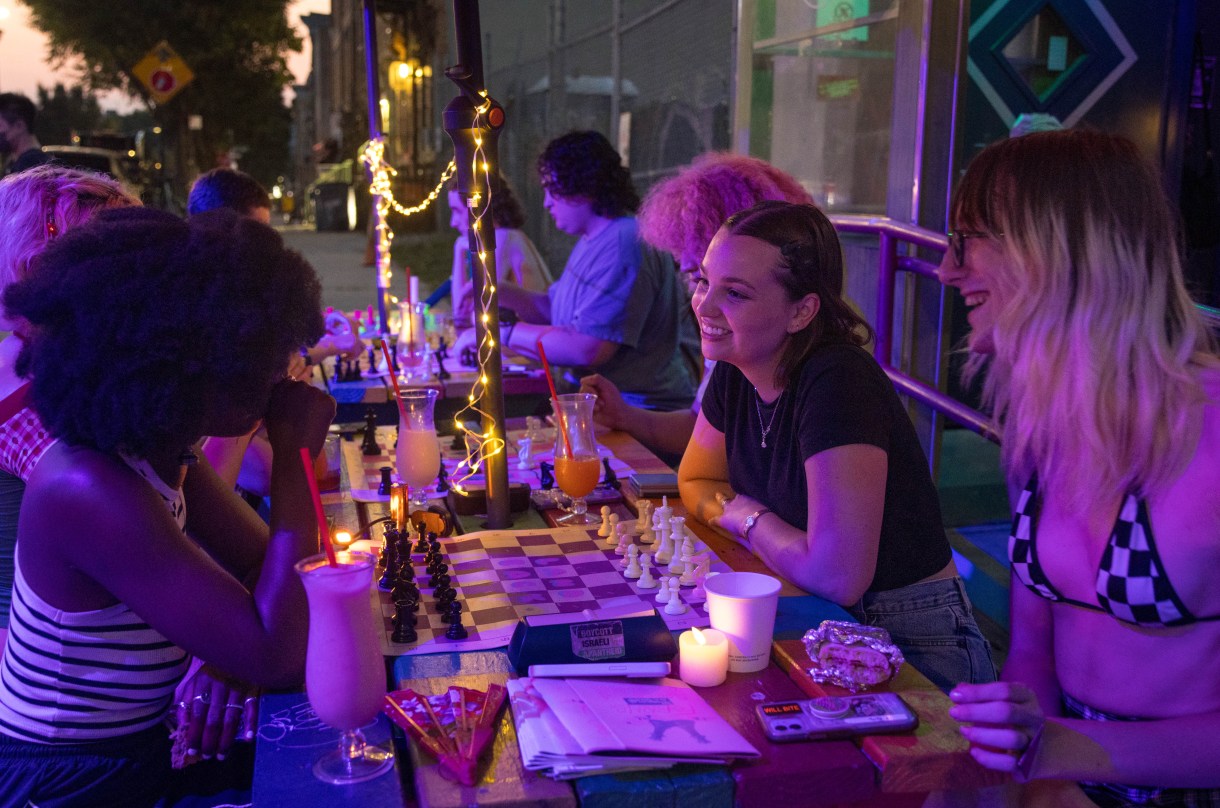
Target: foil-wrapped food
[(851, 655)]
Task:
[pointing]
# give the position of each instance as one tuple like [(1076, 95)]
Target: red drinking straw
[(385, 351), (323, 528), (550, 380)]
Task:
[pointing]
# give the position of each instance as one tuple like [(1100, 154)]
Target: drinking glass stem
[(351, 745), (579, 506)]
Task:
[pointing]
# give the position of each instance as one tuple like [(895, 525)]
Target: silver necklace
[(757, 408)]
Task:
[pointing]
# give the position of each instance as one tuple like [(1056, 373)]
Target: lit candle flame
[(343, 538), (698, 635)]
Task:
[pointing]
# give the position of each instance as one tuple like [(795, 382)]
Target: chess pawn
[(612, 531), (647, 579), (604, 530), (633, 563), (675, 604), (663, 592), (524, 446), (624, 540)]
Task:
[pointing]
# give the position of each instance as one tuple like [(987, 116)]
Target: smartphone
[(835, 717)]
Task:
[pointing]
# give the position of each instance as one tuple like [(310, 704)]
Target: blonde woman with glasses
[(1103, 379)]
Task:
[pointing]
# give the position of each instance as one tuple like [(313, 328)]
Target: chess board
[(364, 471), (501, 576)]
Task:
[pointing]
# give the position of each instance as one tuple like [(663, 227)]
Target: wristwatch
[(751, 521)]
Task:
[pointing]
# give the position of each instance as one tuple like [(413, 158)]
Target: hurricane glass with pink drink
[(417, 455), (344, 669)]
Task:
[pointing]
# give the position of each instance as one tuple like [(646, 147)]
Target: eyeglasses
[(957, 243)]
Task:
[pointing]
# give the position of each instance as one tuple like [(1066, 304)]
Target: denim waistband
[(923, 595)]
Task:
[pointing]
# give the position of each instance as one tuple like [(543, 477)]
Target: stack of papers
[(574, 727)]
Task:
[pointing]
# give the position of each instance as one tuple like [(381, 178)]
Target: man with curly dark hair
[(142, 334), (618, 308)]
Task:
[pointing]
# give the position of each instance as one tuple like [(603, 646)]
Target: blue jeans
[(932, 623), (125, 772)]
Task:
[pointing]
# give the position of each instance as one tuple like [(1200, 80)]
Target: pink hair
[(681, 214), (38, 204)]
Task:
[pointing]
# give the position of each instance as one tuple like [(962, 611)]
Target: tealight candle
[(704, 657), (343, 538)]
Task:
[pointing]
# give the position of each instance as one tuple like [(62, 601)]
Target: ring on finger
[(250, 699), (234, 707), (203, 698)]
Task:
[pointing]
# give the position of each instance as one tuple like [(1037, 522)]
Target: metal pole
[(472, 131), (373, 76)]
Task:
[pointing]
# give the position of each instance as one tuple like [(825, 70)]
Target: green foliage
[(62, 111), (236, 49)]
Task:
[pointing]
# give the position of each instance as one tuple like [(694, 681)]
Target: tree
[(62, 111), (235, 48)]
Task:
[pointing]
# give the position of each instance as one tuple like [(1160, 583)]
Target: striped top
[(68, 677)]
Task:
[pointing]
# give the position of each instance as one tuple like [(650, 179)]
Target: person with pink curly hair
[(36, 206), (680, 216)]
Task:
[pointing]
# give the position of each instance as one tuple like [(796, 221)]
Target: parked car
[(104, 161)]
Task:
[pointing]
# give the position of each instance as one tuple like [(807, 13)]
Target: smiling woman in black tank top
[(802, 451)]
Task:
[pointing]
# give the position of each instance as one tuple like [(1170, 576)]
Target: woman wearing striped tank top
[(144, 333)]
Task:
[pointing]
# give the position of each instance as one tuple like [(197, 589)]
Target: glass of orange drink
[(577, 464)]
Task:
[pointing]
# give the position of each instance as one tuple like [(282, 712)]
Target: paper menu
[(573, 719)]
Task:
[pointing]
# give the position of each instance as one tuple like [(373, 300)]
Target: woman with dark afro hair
[(143, 333)]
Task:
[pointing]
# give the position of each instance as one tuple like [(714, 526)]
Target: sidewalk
[(337, 258)]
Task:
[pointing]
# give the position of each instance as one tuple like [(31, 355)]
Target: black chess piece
[(369, 445), (421, 544), (405, 594), (611, 479), (443, 600), (394, 357), (442, 479), (441, 569), (469, 357), (404, 626), (441, 354), (387, 480), (456, 630), (546, 475), (372, 357), (405, 571), (443, 579), (434, 544)]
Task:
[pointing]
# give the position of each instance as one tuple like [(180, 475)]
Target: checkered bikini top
[(1131, 583)]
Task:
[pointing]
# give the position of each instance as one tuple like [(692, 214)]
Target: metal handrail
[(890, 234)]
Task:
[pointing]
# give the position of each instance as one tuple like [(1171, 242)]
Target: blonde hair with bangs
[(1098, 344), (40, 203)]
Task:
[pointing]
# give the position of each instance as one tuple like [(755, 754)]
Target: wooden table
[(898, 770)]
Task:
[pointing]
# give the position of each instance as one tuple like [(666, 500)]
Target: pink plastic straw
[(323, 528), (385, 351)]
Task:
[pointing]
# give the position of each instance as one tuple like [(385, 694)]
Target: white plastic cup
[(743, 605)]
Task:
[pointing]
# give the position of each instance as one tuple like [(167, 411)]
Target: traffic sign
[(162, 72)]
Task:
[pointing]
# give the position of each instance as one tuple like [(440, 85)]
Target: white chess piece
[(612, 534), (665, 548), (644, 515), (663, 592), (677, 530), (699, 593), (633, 563), (665, 512), (649, 533), (647, 580), (524, 458), (675, 604), (677, 564), (604, 530), (624, 540)]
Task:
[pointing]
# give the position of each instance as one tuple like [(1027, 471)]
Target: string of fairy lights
[(484, 444)]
